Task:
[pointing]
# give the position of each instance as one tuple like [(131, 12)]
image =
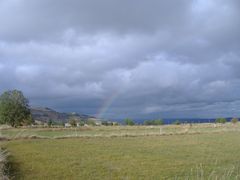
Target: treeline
[(131, 122), (224, 120), (154, 122), (157, 122)]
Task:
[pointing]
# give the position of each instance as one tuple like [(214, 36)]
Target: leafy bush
[(129, 122), (91, 122), (177, 122), (221, 120), (50, 122), (81, 123), (234, 120), (73, 122)]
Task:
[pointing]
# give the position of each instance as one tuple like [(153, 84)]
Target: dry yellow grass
[(113, 131)]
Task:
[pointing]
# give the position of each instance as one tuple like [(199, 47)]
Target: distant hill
[(44, 114)]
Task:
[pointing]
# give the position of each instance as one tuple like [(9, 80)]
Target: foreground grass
[(198, 156), (3, 161)]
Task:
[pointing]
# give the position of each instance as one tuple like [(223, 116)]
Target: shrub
[(234, 120), (81, 123), (73, 122), (177, 122), (91, 122), (221, 120), (50, 122), (129, 122)]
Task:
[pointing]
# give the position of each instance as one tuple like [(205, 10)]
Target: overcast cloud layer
[(139, 58)]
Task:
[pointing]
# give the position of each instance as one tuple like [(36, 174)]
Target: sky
[(117, 59)]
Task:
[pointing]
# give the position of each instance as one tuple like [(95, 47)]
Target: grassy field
[(113, 131), (203, 152)]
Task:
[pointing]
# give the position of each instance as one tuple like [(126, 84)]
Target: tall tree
[(14, 109)]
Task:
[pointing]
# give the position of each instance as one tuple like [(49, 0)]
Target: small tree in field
[(234, 120), (221, 120), (129, 122), (50, 122), (14, 109), (177, 122), (73, 122)]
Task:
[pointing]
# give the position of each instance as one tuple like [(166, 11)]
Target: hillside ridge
[(45, 114)]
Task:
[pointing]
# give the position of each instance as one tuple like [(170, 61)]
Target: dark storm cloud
[(23, 19), (141, 58)]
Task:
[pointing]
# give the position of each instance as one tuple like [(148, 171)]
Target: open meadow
[(115, 131), (200, 151), (119, 90)]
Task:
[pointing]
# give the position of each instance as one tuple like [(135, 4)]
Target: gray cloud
[(124, 58)]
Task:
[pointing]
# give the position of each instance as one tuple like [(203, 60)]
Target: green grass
[(190, 156)]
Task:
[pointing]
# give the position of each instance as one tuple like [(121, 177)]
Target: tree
[(14, 109), (221, 120), (73, 122), (91, 122), (81, 123), (129, 122), (177, 122), (50, 122), (234, 120)]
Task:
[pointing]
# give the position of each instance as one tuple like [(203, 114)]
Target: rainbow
[(106, 104)]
